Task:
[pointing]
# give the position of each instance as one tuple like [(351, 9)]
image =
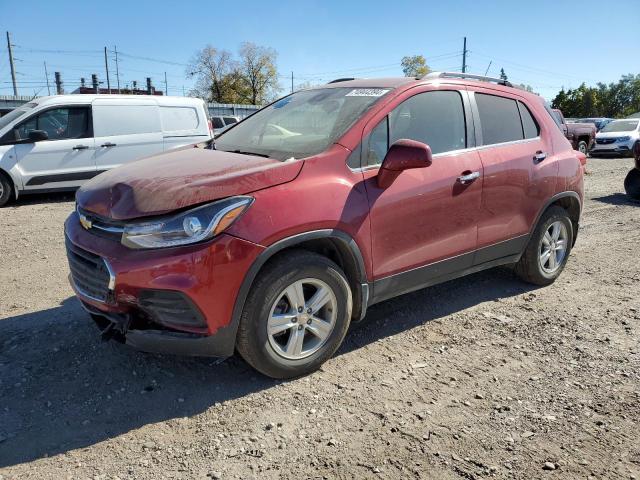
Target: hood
[(178, 179)]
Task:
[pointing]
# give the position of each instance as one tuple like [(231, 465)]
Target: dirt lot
[(479, 377)]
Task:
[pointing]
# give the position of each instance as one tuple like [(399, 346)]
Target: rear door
[(125, 130), (519, 171), (183, 125), (65, 159)]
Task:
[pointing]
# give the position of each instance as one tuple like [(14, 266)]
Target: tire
[(632, 184), (276, 355), (6, 190), (583, 147), (531, 268)]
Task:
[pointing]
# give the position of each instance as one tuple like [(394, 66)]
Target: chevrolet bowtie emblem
[(85, 222)]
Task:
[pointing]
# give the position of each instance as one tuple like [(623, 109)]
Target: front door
[(424, 226), (65, 159)]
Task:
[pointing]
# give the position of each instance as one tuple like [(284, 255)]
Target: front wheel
[(548, 250), (5, 190), (296, 315), (632, 184)]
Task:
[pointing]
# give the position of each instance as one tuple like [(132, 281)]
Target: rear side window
[(499, 118), (125, 119), (529, 125), (217, 122), (175, 119), (230, 120)]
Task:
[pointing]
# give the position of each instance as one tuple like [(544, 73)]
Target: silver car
[(617, 138)]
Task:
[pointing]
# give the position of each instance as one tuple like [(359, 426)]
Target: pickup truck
[(581, 135)]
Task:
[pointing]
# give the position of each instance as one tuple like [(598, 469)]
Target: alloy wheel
[(553, 247), (302, 318)]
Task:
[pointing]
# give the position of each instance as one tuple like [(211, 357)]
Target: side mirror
[(403, 155), (38, 135)]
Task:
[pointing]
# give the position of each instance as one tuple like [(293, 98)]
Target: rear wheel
[(548, 250), (632, 184), (5, 190), (296, 315), (583, 146)]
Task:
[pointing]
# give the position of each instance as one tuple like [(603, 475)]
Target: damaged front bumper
[(122, 328)]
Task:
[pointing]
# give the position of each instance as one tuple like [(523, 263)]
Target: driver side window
[(435, 118), (58, 123)]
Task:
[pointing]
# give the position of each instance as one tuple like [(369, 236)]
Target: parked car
[(599, 122), (632, 181), (617, 138), (273, 249), (221, 123), (581, 135), (59, 142)]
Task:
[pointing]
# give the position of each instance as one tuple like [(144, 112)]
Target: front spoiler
[(116, 325)]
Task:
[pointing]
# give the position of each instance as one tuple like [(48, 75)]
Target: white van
[(58, 142)]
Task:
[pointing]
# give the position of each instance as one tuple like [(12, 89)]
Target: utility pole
[(166, 87), (59, 89), (46, 74), (13, 68), (106, 67), (115, 50), (464, 56), (183, 91), (149, 86), (291, 82)]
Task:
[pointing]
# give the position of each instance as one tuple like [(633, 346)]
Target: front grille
[(605, 141), (100, 226), (89, 272)]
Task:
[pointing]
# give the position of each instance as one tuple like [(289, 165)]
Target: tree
[(257, 68), (414, 66), (210, 66), (503, 76)]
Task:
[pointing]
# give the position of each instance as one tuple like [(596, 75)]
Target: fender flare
[(346, 241), (554, 199)]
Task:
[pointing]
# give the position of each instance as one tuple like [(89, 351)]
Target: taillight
[(210, 127)]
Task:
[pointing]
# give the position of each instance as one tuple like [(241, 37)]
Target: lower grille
[(90, 273)]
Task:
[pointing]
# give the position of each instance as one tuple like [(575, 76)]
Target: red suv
[(275, 238)]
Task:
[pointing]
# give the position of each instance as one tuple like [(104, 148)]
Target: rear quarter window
[(529, 125), (176, 119), (499, 119), (112, 120)]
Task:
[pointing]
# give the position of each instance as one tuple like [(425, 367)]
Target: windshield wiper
[(250, 153)]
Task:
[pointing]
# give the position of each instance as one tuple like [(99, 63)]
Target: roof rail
[(482, 78), (337, 80)]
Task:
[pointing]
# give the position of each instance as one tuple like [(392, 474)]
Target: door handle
[(539, 156), (468, 177), (80, 147), (108, 144)]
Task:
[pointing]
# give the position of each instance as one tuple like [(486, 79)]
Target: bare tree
[(210, 66), (257, 66)]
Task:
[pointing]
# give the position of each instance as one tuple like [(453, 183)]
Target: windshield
[(621, 126), (15, 114), (300, 125)]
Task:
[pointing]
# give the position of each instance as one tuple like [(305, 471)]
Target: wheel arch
[(568, 200), (337, 245)]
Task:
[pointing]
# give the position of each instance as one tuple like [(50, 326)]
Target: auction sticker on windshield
[(367, 92)]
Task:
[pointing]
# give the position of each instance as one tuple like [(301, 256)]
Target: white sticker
[(367, 92)]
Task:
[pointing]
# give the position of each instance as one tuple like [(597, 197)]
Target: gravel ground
[(479, 377)]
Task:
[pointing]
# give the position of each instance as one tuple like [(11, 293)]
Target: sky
[(545, 44)]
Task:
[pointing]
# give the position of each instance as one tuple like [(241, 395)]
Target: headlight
[(192, 226), (623, 139)]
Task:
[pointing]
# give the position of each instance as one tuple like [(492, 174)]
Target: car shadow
[(63, 389), (617, 199), (39, 198)]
